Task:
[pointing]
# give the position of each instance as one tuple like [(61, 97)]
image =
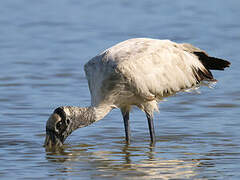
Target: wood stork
[(136, 72)]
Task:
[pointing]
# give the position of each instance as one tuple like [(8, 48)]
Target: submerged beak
[(57, 129), (52, 140)]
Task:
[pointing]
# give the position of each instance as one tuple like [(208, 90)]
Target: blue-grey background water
[(43, 47)]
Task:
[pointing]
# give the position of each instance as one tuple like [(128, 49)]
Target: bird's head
[(59, 126)]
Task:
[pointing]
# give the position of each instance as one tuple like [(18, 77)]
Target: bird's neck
[(84, 116), (100, 111)]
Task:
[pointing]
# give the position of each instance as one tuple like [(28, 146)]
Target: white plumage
[(137, 72), (141, 72)]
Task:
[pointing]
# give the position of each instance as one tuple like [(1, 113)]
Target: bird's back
[(146, 69)]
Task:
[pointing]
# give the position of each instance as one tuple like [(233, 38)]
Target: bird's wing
[(148, 68), (159, 68)]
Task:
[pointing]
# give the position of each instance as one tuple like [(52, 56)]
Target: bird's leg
[(151, 127), (125, 115)]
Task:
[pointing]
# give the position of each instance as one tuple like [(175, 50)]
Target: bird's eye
[(58, 125), (68, 121)]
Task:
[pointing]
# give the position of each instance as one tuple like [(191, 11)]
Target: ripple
[(224, 105), (44, 24), (11, 85)]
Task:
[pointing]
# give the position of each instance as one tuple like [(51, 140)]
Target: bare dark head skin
[(63, 121), (58, 128)]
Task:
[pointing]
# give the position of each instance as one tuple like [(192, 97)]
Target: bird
[(136, 72)]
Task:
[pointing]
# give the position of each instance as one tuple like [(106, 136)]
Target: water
[(43, 47)]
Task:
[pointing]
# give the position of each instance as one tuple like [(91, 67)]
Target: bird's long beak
[(51, 140)]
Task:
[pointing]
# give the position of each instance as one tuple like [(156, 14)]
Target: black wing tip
[(202, 75), (212, 63)]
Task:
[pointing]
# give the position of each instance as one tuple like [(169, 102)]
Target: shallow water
[(43, 47)]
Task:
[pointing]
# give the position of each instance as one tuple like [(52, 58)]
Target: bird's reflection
[(127, 156), (136, 161)]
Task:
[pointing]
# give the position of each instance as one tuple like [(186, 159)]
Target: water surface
[(43, 47)]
